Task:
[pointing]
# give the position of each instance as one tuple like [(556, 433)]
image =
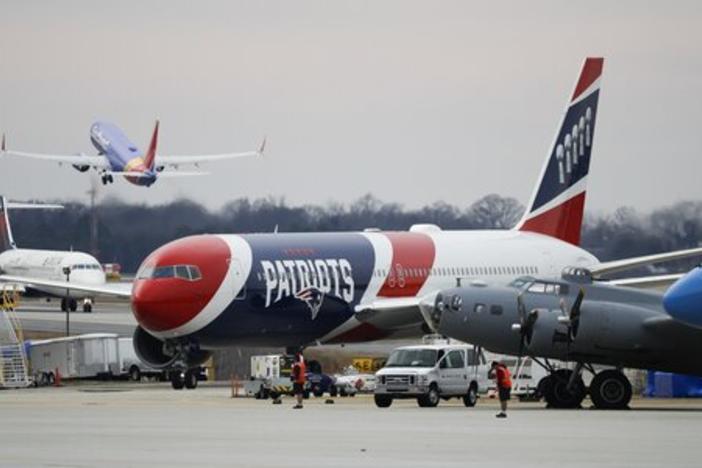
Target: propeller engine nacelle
[(80, 168), (163, 355)]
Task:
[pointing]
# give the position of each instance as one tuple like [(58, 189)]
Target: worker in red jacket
[(298, 378), (500, 373)]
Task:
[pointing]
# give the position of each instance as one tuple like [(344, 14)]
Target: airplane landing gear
[(182, 378), (107, 179), (562, 389), (69, 304), (610, 389)]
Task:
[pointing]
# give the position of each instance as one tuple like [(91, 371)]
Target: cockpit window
[(186, 272), (163, 272), (554, 289), (194, 272)]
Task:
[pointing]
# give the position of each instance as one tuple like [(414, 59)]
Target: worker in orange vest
[(298, 378), (500, 373)]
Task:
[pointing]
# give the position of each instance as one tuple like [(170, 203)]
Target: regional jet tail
[(118, 156)]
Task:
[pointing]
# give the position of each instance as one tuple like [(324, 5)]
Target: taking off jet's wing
[(629, 263), (175, 161), (77, 159), (123, 290)]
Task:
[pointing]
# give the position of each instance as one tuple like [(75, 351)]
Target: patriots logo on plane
[(313, 297)]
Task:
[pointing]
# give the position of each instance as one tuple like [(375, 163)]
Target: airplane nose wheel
[(184, 379)]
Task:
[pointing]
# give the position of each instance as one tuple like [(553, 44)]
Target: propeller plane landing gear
[(564, 389), (610, 389)]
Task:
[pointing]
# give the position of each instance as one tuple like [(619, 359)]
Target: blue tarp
[(669, 385)]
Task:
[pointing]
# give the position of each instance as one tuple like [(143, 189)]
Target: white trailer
[(74, 357)]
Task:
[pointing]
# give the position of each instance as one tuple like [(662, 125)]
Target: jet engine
[(163, 354), (80, 167)]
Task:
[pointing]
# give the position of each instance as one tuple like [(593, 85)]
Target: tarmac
[(149, 424)]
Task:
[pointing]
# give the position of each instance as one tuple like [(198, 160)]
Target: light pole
[(67, 272)]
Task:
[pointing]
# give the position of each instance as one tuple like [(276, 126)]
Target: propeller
[(572, 319), (525, 327)]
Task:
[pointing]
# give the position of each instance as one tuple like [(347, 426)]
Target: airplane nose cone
[(683, 300), (163, 298)]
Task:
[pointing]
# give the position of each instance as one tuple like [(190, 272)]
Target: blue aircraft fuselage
[(121, 153)]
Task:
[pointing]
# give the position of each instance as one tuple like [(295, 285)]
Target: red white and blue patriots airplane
[(118, 156), (203, 292)]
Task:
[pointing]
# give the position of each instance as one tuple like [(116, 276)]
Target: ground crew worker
[(500, 373), (298, 378)]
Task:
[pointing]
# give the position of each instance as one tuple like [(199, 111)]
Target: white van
[(432, 372)]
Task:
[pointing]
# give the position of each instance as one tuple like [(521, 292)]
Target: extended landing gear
[(564, 389), (610, 389), (107, 179), (69, 304), (184, 379)]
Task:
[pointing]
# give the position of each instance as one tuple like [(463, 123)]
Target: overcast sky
[(412, 101)]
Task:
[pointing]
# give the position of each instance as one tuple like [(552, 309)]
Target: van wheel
[(87, 307), (382, 401), (333, 391), (431, 399), (471, 398)]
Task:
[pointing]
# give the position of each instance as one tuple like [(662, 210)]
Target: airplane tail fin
[(6, 240), (150, 158), (557, 204)]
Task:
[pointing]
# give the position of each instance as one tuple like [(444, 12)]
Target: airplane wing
[(629, 263), (77, 159), (394, 313), (648, 282), (123, 290), (176, 161)]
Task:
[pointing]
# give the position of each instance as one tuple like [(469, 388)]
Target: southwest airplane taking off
[(119, 156), (203, 292)]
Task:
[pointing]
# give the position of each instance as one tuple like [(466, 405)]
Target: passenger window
[(456, 360), (495, 310), (479, 308), (472, 358)]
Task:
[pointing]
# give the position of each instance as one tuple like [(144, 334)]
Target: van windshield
[(412, 358)]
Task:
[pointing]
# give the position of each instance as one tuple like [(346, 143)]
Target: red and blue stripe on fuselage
[(298, 288)]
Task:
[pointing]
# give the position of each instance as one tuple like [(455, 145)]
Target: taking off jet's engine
[(163, 355), (81, 167)]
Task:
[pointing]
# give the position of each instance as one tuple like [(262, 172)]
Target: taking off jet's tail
[(6, 240), (150, 158), (556, 207)]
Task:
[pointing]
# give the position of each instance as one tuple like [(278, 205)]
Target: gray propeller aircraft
[(574, 319)]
